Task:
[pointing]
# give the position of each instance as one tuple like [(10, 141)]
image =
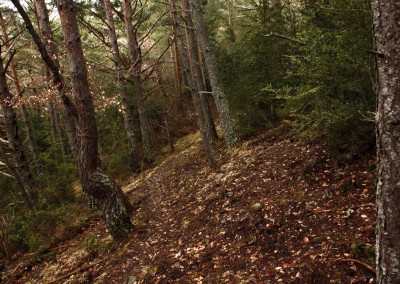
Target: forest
[(191, 141)]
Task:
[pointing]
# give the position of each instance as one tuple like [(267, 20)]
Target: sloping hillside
[(273, 210)]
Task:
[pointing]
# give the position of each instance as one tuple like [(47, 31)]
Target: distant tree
[(135, 56), (21, 106), (227, 122), (188, 65), (119, 66), (23, 174), (47, 37), (386, 25), (199, 86)]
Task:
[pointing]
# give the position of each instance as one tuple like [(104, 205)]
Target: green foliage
[(331, 90), (307, 64), (37, 230), (255, 59)]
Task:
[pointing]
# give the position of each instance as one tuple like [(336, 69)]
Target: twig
[(76, 271), (369, 267)]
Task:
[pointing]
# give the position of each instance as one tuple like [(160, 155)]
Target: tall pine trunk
[(227, 123), (95, 180), (22, 108), (135, 57), (187, 71), (197, 75), (48, 50), (15, 142), (386, 23), (128, 115)]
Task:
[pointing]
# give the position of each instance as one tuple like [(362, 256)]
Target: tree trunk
[(386, 23), (14, 140), (227, 124), (135, 57), (47, 36), (96, 182), (190, 79), (18, 180), (24, 112), (128, 116), (195, 69), (49, 55), (163, 93)]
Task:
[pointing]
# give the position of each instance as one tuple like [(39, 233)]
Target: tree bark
[(22, 108), (97, 183), (14, 140), (195, 70), (135, 57), (187, 70), (17, 177), (386, 24), (128, 115), (47, 37), (227, 123)]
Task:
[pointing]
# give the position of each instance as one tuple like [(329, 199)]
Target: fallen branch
[(369, 267)]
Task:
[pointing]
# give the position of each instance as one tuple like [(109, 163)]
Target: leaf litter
[(273, 210)]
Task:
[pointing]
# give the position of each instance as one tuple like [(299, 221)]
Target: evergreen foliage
[(310, 65)]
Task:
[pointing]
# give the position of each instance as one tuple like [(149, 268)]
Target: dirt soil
[(273, 210)]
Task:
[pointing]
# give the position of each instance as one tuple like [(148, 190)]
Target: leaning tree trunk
[(17, 177), (135, 57), (187, 70), (386, 23), (50, 58), (14, 140), (96, 182), (47, 36), (227, 123), (195, 70), (128, 115), (24, 112)]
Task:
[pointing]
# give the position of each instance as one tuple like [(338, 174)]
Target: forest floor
[(273, 210)]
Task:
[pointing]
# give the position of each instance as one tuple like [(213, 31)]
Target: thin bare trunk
[(128, 115), (22, 108), (187, 71), (227, 123), (135, 57), (49, 54), (165, 114), (195, 70), (17, 177), (14, 140)]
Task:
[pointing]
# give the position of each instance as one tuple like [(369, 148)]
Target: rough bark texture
[(24, 112), (128, 115), (95, 181), (187, 72), (58, 80), (17, 177), (195, 70), (227, 123), (386, 23), (14, 140), (47, 37), (135, 57), (181, 50)]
